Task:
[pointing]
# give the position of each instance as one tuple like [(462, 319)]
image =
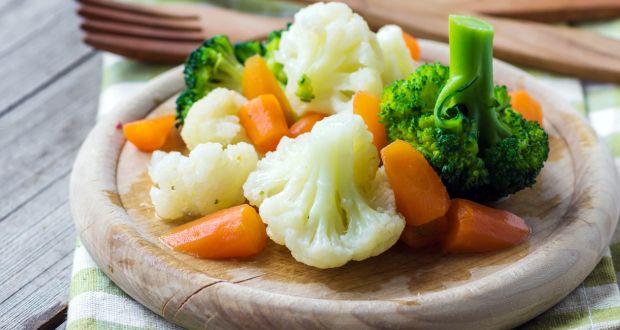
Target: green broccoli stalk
[(271, 45), (247, 49), (463, 125), (470, 85), (304, 89), (211, 65)]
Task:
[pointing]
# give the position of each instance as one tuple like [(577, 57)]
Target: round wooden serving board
[(572, 209)]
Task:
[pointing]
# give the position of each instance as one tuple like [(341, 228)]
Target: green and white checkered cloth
[(95, 302)]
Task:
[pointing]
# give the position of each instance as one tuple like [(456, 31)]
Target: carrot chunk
[(425, 235), (420, 195), (235, 232), (368, 106), (412, 45), (478, 228), (527, 106), (264, 122), (149, 134), (258, 80), (305, 124)]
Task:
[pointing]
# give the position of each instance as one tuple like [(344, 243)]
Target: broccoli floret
[(184, 103), (247, 49), (304, 89), (271, 45), (211, 65), (462, 124)]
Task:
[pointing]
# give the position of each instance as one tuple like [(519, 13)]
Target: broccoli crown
[(407, 111), (271, 45), (467, 168), (464, 125), (211, 65), (515, 161), (247, 49)]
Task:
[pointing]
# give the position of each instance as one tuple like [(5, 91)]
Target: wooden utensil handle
[(543, 11), (561, 50)]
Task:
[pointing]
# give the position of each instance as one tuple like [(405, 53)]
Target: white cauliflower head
[(398, 63), (214, 119), (329, 53), (323, 196), (209, 179)]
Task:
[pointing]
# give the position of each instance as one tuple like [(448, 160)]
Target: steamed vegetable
[(207, 180), (397, 57), (305, 124), (329, 53), (420, 195), (322, 196), (527, 106), (211, 65), (264, 122), (236, 232), (258, 80), (481, 148), (247, 49), (149, 134), (305, 92), (477, 228), (412, 46), (214, 118), (271, 45), (428, 234), (368, 106)]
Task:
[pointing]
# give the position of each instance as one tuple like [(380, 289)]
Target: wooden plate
[(573, 210)]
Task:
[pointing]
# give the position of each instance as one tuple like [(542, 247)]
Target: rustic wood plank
[(38, 14), (41, 137), (56, 120), (42, 57), (46, 109)]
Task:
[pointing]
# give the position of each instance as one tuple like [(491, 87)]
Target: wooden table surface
[(49, 89)]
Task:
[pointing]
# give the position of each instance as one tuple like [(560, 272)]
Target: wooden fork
[(165, 34)]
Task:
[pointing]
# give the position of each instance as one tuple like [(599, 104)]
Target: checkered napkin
[(95, 302)]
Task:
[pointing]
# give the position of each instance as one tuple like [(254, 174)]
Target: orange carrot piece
[(527, 106), (412, 45), (478, 228), (368, 106), (428, 234), (264, 122), (149, 134), (258, 80), (235, 232), (420, 195), (305, 124)]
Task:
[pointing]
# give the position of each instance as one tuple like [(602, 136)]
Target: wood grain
[(166, 34), (37, 61), (48, 101), (35, 224), (572, 211), (542, 11)]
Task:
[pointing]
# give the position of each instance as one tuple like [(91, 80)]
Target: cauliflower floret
[(328, 54), (398, 63), (214, 119), (322, 196), (210, 179)]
